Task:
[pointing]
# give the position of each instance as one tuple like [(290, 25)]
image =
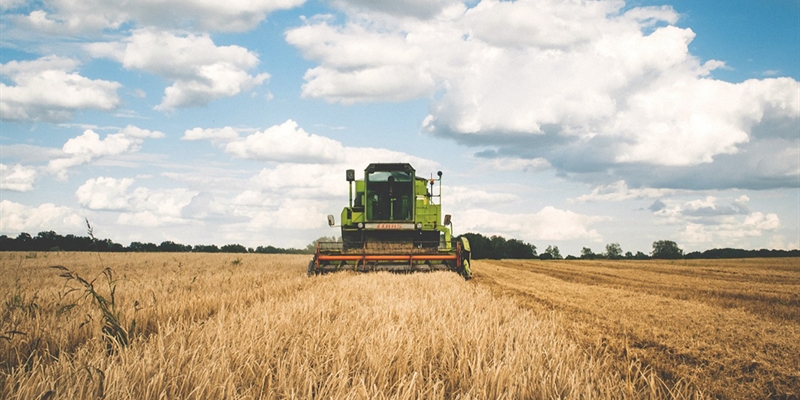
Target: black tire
[(311, 271)]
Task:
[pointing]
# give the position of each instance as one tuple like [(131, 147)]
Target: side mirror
[(447, 219), (331, 221), (351, 175)]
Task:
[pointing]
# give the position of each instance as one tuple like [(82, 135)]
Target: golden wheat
[(727, 327), (254, 326)]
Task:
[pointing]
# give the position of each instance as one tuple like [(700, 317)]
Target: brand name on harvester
[(388, 226)]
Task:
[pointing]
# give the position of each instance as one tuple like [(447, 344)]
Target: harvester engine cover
[(393, 223)]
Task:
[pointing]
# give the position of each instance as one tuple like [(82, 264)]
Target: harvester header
[(393, 222)]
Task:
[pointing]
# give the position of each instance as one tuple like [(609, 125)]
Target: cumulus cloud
[(619, 191), (139, 206), (225, 134), (299, 214), (590, 88), (412, 8), (88, 146), (459, 197), (105, 193), (49, 89), (515, 164), (730, 232), (549, 223), (287, 142), (83, 16), (15, 218), (715, 222), (200, 70), (296, 149), (18, 178)]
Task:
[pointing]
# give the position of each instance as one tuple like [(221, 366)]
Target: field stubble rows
[(253, 326), (730, 327)]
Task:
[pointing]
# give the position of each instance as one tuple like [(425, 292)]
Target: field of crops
[(185, 325)]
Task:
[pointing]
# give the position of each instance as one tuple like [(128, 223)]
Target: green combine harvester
[(393, 224)]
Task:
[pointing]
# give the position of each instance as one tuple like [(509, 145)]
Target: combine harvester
[(393, 224)]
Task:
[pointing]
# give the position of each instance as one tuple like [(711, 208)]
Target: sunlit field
[(187, 325)]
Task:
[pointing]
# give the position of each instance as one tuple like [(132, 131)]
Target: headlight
[(360, 225), (419, 225)]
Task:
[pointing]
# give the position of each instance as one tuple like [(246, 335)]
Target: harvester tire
[(310, 271), (467, 271)]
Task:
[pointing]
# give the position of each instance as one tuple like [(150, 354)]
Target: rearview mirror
[(446, 219), (331, 221)]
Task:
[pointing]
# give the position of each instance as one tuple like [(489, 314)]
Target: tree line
[(498, 247), (52, 241), (493, 247)]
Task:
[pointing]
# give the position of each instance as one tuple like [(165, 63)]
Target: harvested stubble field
[(254, 326)]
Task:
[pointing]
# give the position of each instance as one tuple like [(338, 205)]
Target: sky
[(561, 123)]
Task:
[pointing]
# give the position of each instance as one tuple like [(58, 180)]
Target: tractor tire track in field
[(735, 338)]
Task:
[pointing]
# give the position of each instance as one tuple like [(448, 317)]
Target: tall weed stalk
[(114, 330)]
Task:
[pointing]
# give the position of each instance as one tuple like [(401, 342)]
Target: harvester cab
[(393, 222)]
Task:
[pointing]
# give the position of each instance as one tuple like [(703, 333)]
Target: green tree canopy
[(551, 253), (666, 249), (613, 251)]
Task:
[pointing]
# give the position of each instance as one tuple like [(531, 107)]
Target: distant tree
[(613, 251), (551, 253), (480, 245), (201, 248), (172, 247), (641, 256), (628, 255), (233, 248), (519, 250), (143, 247), (666, 249), (498, 247), (587, 254)]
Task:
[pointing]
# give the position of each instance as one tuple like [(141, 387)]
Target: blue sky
[(574, 124)]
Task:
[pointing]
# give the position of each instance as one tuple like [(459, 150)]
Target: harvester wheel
[(311, 271), (467, 270)]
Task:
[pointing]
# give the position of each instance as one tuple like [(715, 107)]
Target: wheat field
[(249, 326)]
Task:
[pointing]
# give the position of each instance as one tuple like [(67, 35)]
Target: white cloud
[(619, 191), (82, 16), (714, 222), (295, 149), (730, 231), (225, 134), (460, 197), (105, 193), (18, 178), (88, 146), (299, 214), (519, 164), (581, 86), (549, 223), (16, 218), (11, 4), (288, 143), (48, 89), (140, 206), (413, 8), (200, 70)]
